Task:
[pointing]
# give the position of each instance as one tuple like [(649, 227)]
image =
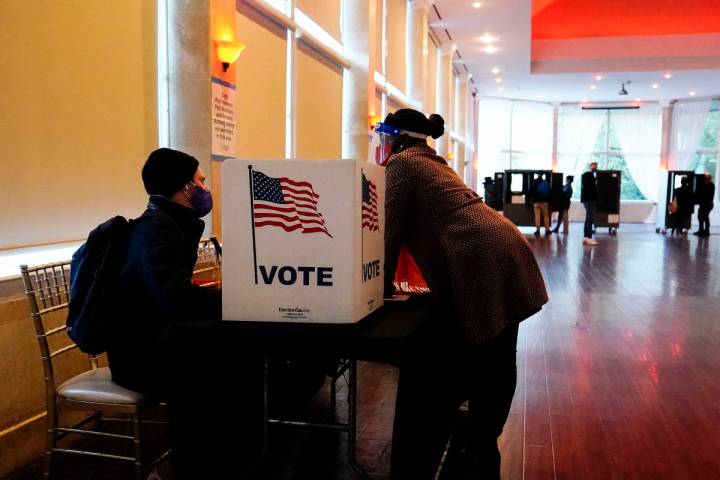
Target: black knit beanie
[(414, 121), (166, 171)]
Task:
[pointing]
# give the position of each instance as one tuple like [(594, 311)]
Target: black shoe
[(699, 232), (537, 232), (554, 230)]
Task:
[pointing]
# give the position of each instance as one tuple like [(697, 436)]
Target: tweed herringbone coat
[(478, 266)]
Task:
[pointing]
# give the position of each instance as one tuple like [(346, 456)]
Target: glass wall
[(513, 135), (625, 140)]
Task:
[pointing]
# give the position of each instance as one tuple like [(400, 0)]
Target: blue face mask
[(201, 200)]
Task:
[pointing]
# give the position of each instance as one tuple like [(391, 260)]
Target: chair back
[(47, 288), (208, 268)]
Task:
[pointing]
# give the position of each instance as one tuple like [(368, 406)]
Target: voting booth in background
[(669, 181), (607, 206), (517, 191), (303, 241)]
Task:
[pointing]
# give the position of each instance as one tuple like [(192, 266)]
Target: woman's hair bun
[(437, 125)]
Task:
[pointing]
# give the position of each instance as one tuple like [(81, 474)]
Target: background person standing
[(541, 205), (588, 197), (564, 212), (706, 196)]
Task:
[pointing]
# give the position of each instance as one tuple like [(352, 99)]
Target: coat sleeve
[(169, 281), (399, 191)]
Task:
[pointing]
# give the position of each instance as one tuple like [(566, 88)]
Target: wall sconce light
[(228, 51)]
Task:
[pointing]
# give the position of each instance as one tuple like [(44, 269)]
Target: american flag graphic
[(288, 204), (369, 205)]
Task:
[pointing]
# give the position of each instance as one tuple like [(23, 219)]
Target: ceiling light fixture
[(489, 49), (668, 76), (498, 80), (599, 77), (501, 89), (495, 70), (692, 94), (584, 100), (623, 91), (655, 85), (477, 4), (487, 39), (638, 100), (593, 87)]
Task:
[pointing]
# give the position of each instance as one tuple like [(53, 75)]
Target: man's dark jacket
[(684, 197), (588, 189), (156, 288)]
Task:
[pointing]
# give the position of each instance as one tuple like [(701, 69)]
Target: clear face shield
[(382, 142)]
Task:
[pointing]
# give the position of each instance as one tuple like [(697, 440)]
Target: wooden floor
[(619, 376)]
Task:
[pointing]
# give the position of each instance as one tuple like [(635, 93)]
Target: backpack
[(673, 206), (543, 190), (94, 281)]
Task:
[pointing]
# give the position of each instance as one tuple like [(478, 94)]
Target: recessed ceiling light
[(539, 95), (487, 39), (593, 87), (501, 89), (692, 94), (638, 100), (655, 85), (498, 80), (668, 76), (477, 4), (489, 49), (495, 70), (584, 100), (599, 77)]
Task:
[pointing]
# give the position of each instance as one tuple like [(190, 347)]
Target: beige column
[(357, 79), (189, 71), (471, 142), (666, 138), (444, 97), (556, 113), (460, 122), (418, 51)]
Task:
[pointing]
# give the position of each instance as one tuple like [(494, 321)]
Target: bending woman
[(484, 279)]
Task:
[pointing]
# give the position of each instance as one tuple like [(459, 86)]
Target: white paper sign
[(223, 118), (303, 241)]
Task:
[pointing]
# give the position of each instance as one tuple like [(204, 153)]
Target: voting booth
[(303, 241), (518, 198)]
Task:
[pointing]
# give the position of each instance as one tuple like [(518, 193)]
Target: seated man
[(157, 275), (156, 281)]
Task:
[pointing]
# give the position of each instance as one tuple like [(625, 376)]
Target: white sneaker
[(589, 241)]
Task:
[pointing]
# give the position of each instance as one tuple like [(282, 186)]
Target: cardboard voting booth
[(303, 241)]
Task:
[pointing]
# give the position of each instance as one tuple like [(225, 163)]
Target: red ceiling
[(619, 18)]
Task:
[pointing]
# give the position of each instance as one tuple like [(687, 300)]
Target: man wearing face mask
[(157, 276), (156, 283)]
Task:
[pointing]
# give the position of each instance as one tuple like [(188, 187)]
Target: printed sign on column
[(223, 119)]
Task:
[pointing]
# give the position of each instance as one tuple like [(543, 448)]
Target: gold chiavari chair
[(47, 289)]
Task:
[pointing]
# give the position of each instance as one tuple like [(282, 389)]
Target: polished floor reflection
[(619, 376)]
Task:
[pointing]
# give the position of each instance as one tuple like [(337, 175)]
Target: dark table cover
[(382, 336)]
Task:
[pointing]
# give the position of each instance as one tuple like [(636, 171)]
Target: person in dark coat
[(706, 197), (191, 376), (564, 211), (684, 200), (484, 279), (588, 197)]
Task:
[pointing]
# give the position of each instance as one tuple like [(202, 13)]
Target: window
[(513, 135), (625, 140), (706, 156)]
